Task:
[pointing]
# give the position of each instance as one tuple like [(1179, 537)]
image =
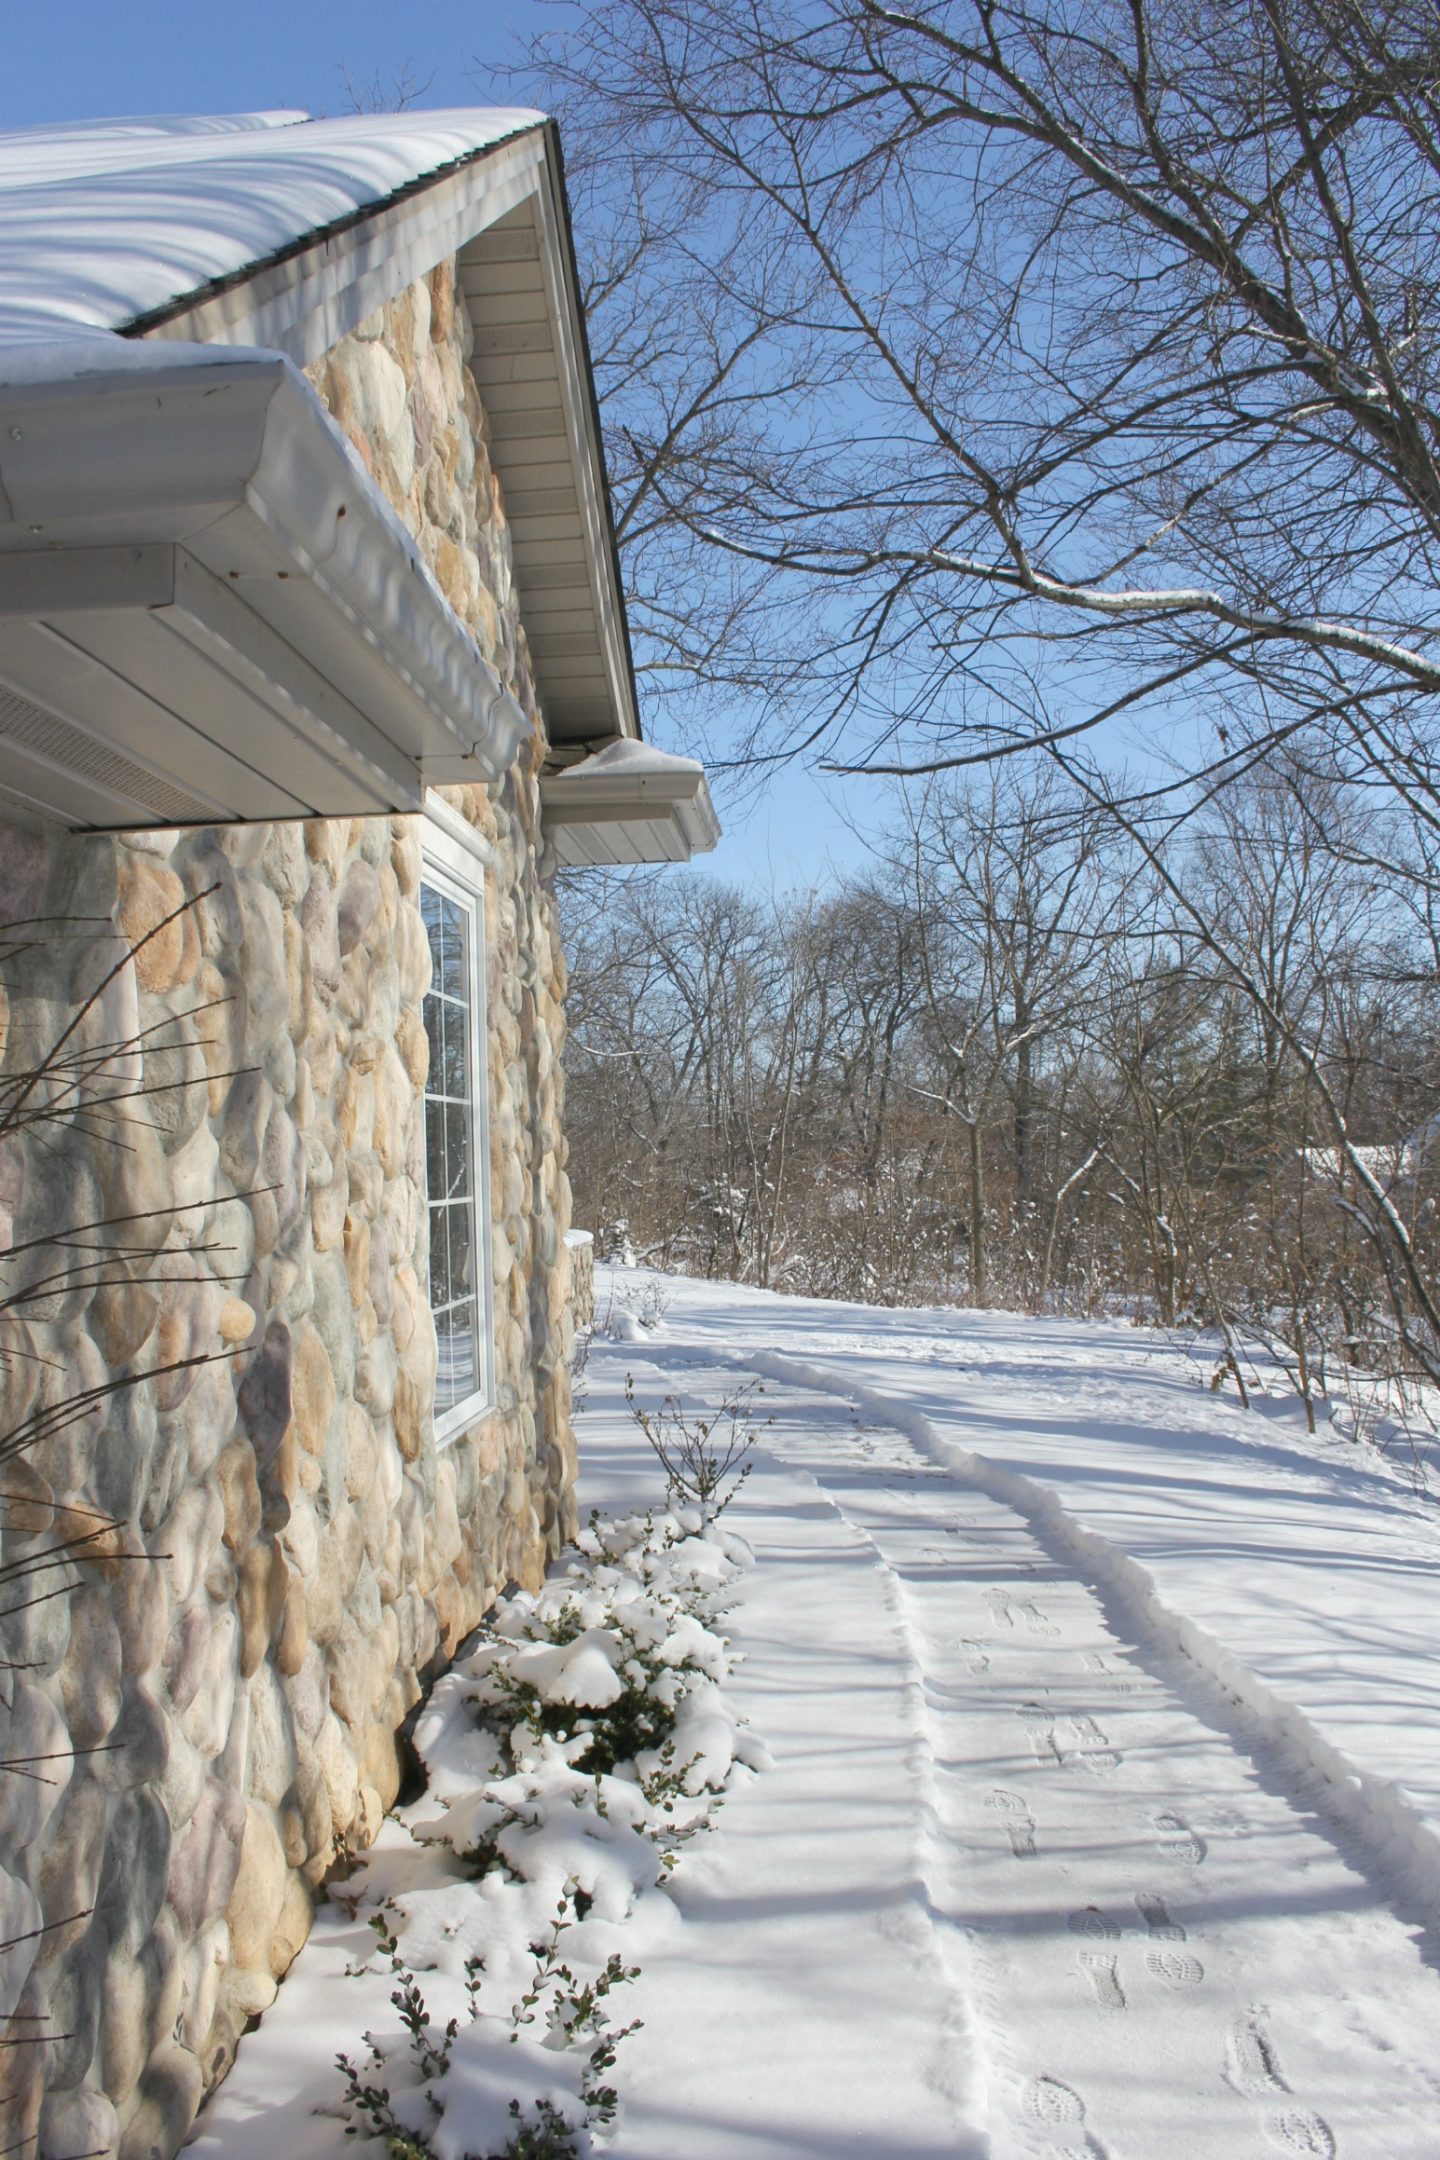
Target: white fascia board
[(630, 804), (587, 457), (305, 303), (323, 598)]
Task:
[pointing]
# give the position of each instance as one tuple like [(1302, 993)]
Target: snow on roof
[(103, 221), (636, 760)]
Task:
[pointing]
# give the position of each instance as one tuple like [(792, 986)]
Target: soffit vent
[(60, 747)]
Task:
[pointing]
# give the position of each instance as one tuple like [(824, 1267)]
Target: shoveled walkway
[(1043, 1866)]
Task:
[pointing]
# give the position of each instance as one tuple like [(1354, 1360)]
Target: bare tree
[(1099, 354), (1011, 886)]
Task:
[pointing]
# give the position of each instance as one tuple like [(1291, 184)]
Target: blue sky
[(89, 59), (83, 59)]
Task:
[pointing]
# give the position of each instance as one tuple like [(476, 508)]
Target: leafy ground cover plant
[(570, 1756)]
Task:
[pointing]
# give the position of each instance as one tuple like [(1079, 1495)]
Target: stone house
[(313, 668)]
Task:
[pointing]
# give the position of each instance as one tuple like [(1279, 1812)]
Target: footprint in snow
[(1178, 1841), (1039, 1724), (1254, 2069), (1091, 1921), (1105, 1671), (1152, 1911), (1037, 1621), (1175, 1967), (976, 1659), (1095, 1751), (1300, 2130), (1061, 2109), (1051, 2102), (1019, 1822), (1101, 1971), (1001, 1609)]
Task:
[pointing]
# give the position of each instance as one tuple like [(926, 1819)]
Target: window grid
[(454, 1176)]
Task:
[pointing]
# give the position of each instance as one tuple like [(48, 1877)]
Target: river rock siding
[(314, 1554)]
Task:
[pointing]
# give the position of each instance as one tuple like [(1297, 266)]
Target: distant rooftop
[(106, 222)]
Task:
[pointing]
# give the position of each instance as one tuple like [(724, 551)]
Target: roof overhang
[(502, 212), (628, 804), (207, 610)]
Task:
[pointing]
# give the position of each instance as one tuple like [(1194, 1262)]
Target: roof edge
[(151, 319), (555, 168)]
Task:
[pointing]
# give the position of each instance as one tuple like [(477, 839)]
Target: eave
[(503, 216), (628, 804), (207, 611)]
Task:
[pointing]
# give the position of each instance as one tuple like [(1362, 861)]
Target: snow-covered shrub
[(570, 1756)]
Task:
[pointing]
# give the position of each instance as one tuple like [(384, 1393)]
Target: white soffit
[(207, 611), (630, 803), (532, 370)]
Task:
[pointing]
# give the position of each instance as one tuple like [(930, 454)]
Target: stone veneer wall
[(314, 1555)]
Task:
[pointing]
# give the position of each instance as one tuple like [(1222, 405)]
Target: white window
[(457, 1154)]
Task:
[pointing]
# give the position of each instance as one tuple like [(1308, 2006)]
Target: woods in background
[(1034, 1058), (981, 380)]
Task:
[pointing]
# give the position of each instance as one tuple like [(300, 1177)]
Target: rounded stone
[(359, 898), (284, 861), (149, 899), (408, 1414), (335, 1758), (266, 991), (137, 1747), (272, 1743), (206, 1856), (312, 1391), (140, 1604), (68, 1879), (264, 1394), (183, 1782), (122, 1317), (132, 1876), (249, 1993), (297, 1911), (30, 1727), (91, 1675), (171, 2090), (204, 1970), (236, 1320), (259, 1601), (81, 2121), (240, 1493), (206, 1723), (188, 1537), (405, 855), (320, 927), (258, 1896)]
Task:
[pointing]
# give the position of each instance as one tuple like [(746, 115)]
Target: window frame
[(453, 863)]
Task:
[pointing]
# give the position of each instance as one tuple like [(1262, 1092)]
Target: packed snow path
[(1104, 1814), (1157, 1938)]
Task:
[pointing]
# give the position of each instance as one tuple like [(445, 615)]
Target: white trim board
[(451, 865)]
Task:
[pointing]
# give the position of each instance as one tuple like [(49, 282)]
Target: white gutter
[(629, 803), (267, 548)]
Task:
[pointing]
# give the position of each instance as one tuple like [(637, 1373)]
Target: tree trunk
[(979, 1255)]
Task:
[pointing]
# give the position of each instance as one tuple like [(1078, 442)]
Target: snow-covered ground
[(1103, 1818)]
